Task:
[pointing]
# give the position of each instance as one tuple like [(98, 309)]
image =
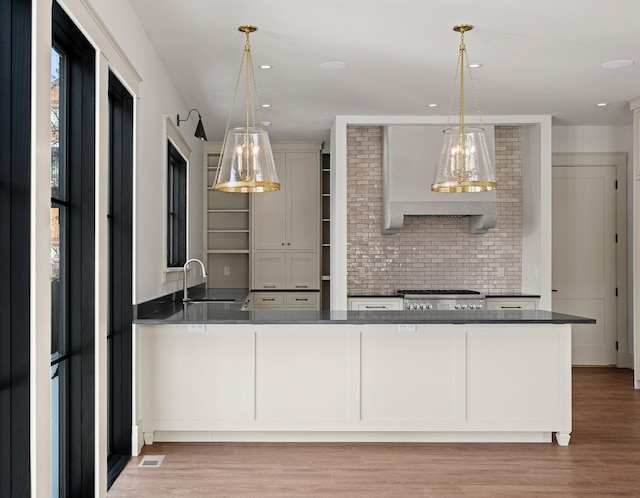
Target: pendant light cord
[(462, 59), (252, 107)]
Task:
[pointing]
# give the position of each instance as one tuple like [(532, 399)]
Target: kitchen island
[(211, 372)]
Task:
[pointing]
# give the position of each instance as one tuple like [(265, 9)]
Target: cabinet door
[(302, 270), (268, 212), (302, 213), (268, 270)]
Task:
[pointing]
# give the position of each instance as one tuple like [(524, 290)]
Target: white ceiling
[(539, 57)]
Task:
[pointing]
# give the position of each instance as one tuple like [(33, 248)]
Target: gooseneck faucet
[(185, 296)]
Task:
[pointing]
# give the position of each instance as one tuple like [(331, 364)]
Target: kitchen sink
[(209, 300)]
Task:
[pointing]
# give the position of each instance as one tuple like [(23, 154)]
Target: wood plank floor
[(603, 459)]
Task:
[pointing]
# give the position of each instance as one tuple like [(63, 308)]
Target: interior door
[(584, 258)]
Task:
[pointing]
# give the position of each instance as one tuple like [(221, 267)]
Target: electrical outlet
[(407, 327), (195, 327), (227, 270)]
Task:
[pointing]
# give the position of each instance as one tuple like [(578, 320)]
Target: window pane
[(177, 208), (58, 281), (58, 211), (58, 229), (57, 123)]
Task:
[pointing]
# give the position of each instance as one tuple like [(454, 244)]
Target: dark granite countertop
[(216, 299), (391, 294), (230, 313), (511, 295)]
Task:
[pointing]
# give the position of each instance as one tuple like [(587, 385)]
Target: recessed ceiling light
[(333, 66), (475, 65), (602, 104), (432, 105), (265, 105), (265, 66), (617, 64)]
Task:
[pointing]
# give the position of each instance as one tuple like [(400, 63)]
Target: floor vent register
[(151, 461)]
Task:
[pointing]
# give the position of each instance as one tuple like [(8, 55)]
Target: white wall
[(592, 139), (157, 97)]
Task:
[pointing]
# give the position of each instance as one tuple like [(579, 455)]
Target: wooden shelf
[(227, 251), (227, 210), (227, 229)]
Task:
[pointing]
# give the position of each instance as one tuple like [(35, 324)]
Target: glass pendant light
[(246, 163), (465, 164)]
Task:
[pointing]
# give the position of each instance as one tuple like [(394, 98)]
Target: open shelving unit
[(226, 230), (325, 261)]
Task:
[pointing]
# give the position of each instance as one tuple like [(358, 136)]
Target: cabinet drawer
[(509, 304), (268, 298), (302, 299), (374, 304)]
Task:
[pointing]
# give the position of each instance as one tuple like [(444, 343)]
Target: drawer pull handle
[(268, 299), (301, 286), (302, 298), (380, 307), (511, 307), (269, 286)]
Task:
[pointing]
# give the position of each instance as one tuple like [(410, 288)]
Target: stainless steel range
[(442, 299)]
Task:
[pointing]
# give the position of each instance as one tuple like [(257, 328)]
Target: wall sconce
[(199, 129)]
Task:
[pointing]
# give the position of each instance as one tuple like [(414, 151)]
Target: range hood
[(409, 157)]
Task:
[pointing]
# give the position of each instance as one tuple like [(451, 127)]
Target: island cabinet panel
[(304, 376), (191, 377), (404, 374), (496, 376), (354, 382)]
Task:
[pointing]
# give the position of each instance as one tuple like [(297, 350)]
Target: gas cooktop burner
[(437, 292)]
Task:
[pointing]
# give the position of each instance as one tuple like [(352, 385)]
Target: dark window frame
[(79, 474), (120, 307), (15, 222), (176, 207)]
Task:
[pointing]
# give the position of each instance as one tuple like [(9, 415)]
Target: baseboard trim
[(624, 359)]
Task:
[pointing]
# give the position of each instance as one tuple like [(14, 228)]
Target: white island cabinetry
[(354, 382)]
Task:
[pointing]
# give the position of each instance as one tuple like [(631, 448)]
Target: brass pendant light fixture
[(246, 163), (465, 164)]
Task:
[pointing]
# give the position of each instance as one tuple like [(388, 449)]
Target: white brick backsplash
[(430, 252)]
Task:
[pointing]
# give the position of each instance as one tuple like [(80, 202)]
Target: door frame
[(624, 355)]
